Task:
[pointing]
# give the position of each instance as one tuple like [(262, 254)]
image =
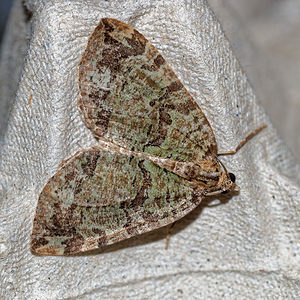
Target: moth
[(157, 156)]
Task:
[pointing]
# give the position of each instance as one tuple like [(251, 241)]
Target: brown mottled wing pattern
[(131, 97), (98, 198)]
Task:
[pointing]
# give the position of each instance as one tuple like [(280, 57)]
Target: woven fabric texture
[(245, 246)]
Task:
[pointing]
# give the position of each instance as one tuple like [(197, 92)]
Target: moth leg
[(244, 141), (29, 100), (169, 234)]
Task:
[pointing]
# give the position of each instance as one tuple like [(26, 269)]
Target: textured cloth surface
[(265, 37), (246, 247)]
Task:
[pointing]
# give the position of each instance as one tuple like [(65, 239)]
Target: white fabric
[(248, 247), (265, 37)]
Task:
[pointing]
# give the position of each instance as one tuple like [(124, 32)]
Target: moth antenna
[(244, 141), (223, 166)]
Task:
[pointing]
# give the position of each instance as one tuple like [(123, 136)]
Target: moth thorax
[(186, 170), (197, 173)]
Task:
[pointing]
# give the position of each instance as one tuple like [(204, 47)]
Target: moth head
[(226, 184)]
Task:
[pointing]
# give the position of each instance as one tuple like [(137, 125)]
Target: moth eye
[(232, 177), (225, 192)]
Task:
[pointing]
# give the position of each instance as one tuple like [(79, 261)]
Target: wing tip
[(39, 248)]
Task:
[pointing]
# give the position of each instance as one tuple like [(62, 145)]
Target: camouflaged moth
[(157, 155)]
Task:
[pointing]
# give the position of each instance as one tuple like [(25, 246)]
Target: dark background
[(5, 6)]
